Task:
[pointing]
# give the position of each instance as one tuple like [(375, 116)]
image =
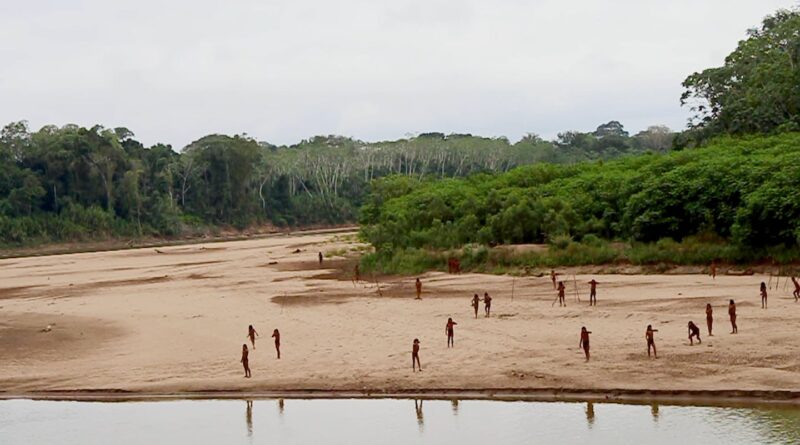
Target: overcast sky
[(282, 71)]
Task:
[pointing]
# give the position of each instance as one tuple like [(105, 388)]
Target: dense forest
[(728, 190), (76, 183)]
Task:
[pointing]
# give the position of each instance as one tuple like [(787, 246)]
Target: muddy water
[(385, 421)]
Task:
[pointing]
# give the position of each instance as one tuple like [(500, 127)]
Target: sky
[(282, 71)]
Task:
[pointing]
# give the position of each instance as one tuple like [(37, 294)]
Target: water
[(388, 421)]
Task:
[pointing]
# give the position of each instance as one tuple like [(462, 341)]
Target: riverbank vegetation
[(727, 192)]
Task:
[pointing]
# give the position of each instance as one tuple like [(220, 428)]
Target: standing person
[(553, 275), (252, 334), (415, 356), (319, 254), (593, 292), (561, 288), (356, 274), (732, 314), (277, 336), (487, 303), (476, 303), (713, 269), (763, 295), (651, 342), (450, 332), (418, 284), (694, 331), (709, 318), (584, 343), (796, 292), (245, 361)]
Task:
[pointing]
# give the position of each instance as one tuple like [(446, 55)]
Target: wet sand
[(172, 320)]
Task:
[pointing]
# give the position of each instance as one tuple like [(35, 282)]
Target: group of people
[(562, 289), (693, 329), (252, 334)]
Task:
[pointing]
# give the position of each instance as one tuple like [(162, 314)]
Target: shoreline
[(723, 398), (113, 245)]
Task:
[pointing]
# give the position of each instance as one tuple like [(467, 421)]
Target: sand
[(173, 320)]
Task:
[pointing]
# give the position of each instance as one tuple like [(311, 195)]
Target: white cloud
[(281, 71)]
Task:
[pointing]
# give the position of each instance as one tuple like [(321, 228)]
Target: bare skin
[(709, 319), (487, 303), (561, 289), (796, 292), (732, 314), (245, 361), (319, 255), (415, 356), (713, 270), (694, 332), (418, 285), (476, 304), (450, 332), (277, 336), (553, 276), (252, 334), (593, 292), (584, 343), (763, 295), (651, 343)]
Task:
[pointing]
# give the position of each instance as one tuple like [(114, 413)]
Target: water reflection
[(420, 418), (363, 422), (249, 418), (454, 406), (590, 414)]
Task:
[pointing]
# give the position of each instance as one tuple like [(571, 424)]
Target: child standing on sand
[(415, 356), (584, 343), (651, 343), (277, 336), (245, 361), (450, 332)]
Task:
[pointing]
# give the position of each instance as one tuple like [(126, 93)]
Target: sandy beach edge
[(731, 398)]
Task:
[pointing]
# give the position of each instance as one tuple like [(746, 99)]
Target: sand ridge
[(173, 320)]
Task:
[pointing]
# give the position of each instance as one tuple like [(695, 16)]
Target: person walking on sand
[(763, 295), (245, 361), (561, 288), (415, 356), (584, 343), (553, 276), (418, 284), (319, 255), (277, 336), (252, 334), (476, 303), (450, 332), (593, 292), (694, 331), (651, 342), (796, 292), (713, 269), (732, 314), (487, 303), (709, 318)]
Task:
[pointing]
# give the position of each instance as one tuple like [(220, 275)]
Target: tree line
[(73, 183)]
